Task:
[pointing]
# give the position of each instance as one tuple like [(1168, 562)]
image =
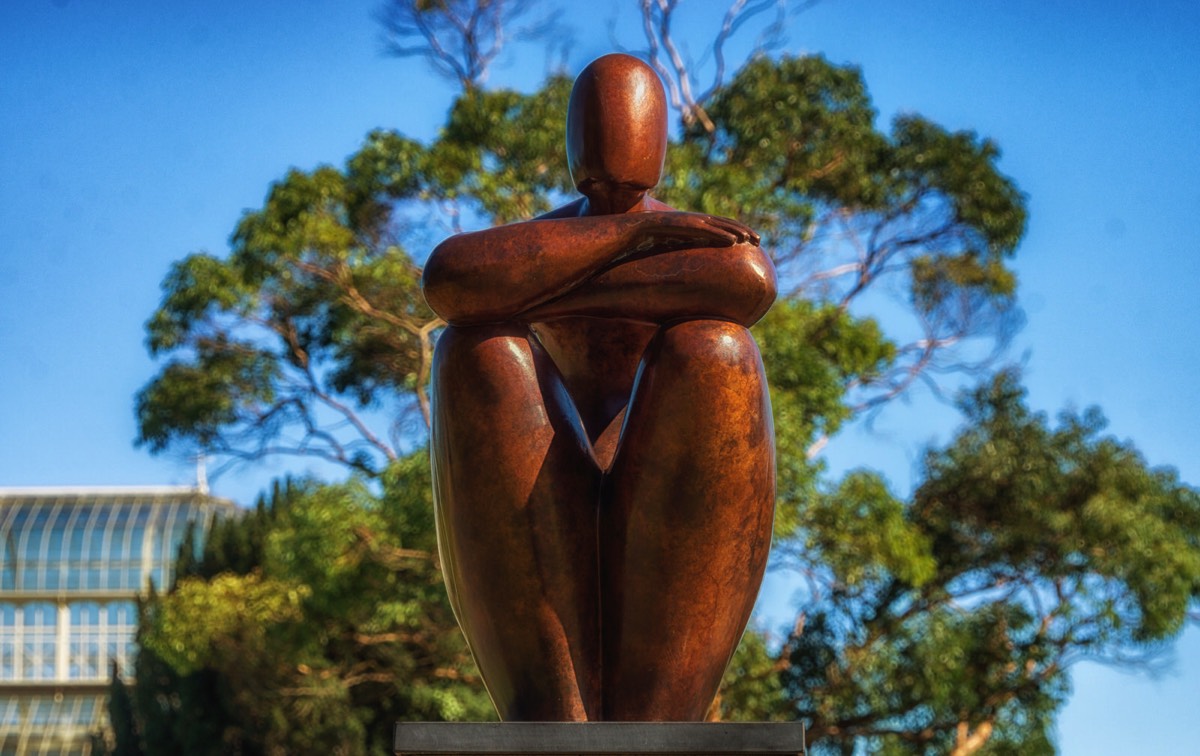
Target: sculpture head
[(616, 128)]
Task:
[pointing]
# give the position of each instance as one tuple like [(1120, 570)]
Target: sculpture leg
[(685, 525), (516, 494)]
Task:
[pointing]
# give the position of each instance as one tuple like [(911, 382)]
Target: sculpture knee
[(462, 353), (482, 369), (718, 342)]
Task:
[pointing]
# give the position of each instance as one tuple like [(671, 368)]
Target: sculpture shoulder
[(573, 209), (471, 241), (578, 209)]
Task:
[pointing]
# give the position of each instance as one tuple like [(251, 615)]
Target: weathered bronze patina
[(602, 444)]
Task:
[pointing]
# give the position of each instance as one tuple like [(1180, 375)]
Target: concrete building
[(72, 563)]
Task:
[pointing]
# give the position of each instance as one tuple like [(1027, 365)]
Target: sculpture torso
[(598, 359)]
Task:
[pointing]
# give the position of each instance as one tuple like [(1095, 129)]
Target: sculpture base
[(563, 738)]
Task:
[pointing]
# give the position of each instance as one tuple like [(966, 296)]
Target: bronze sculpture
[(602, 443)]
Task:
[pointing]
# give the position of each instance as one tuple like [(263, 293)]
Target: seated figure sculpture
[(602, 446)]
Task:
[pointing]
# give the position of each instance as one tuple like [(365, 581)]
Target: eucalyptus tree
[(944, 621)]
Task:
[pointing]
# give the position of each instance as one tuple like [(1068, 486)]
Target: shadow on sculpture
[(603, 453)]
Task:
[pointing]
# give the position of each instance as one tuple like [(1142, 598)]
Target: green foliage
[(942, 623), (1119, 545), (794, 149), (961, 168), (195, 618), (752, 689), (1024, 548), (502, 151), (122, 719), (863, 533), (813, 354), (800, 127), (198, 400), (308, 626), (317, 314)]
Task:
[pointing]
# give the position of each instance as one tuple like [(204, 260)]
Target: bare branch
[(649, 22), (816, 446), (426, 336), (966, 741), (460, 39), (735, 17), (679, 74), (656, 22)]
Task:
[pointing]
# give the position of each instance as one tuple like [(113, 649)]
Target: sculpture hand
[(675, 230)]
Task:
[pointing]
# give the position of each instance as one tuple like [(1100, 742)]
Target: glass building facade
[(72, 563)]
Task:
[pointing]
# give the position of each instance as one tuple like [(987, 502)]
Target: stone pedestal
[(570, 738)]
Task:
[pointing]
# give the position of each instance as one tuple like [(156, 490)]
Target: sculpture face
[(617, 126)]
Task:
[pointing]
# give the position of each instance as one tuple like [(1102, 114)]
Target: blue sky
[(133, 132)]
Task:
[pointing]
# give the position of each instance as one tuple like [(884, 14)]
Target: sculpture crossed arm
[(654, 266), (735, 283)]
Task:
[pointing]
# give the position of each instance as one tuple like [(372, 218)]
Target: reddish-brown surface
[(602, 445)]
